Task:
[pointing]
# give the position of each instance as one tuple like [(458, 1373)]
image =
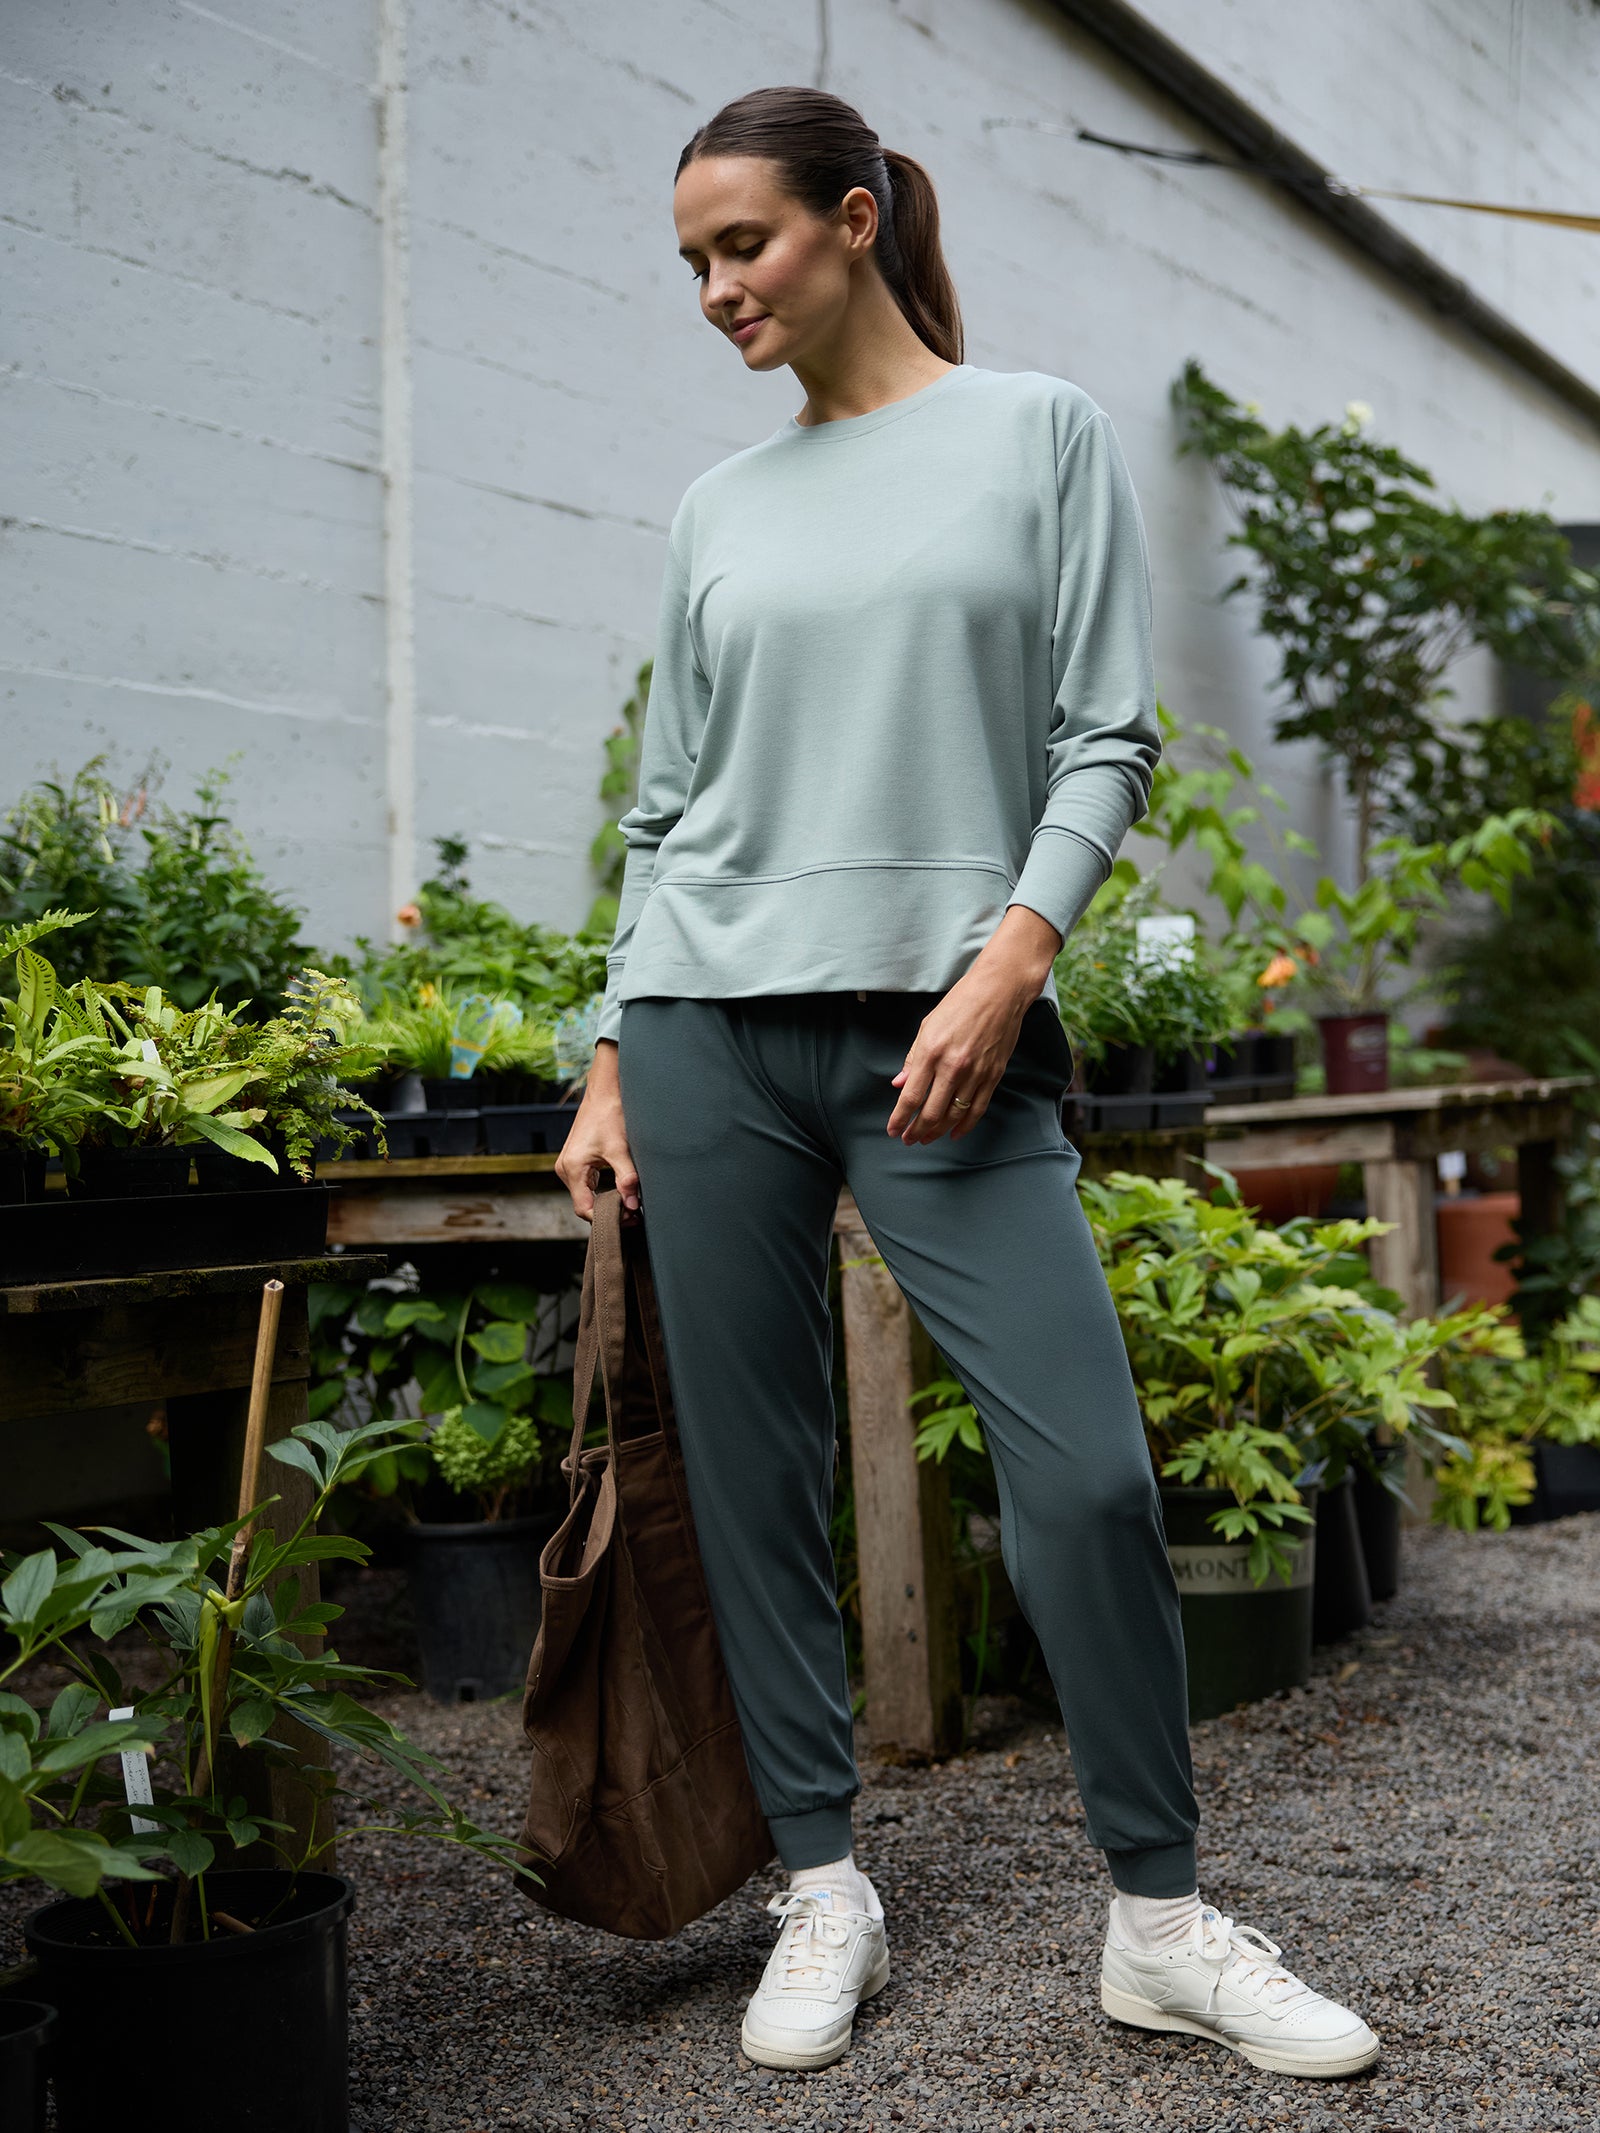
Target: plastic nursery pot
[(1341, 1598), (26, 2037), (1283, 1190), (1242, 1641), (1355, 1053), (1471, 1230), (130, 1173), (1568, 1480), (475, 1592), (244, 2030), (21, 1175), (455, 1092), (1125, 1070), (217, 1171), (1378, 1521)]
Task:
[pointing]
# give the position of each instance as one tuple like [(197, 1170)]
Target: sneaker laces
[(815, 1937), (1246, 1958)]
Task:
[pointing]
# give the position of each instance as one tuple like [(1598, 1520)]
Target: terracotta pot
[(1289, 1189), (1471, 1230), (1355, 1053)]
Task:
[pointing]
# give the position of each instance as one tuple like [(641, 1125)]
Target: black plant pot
[(130, 1173), (246, 2030), (27, 2033), (21, 1175), (433, 1133), (1341, 1596), (1568, 1482), (475, 1593), (217, 1171), (1378, 1517), (453, 1093), (1242, 1640), (526, 1129), (1125, 1070)]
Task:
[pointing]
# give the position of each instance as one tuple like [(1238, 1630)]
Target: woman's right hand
[(598, 1140)]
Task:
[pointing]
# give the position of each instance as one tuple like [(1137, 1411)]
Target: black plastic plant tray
[(526, 1129), (1251, 1089), (432, 1133), (66, 1238), (1135, 1114)]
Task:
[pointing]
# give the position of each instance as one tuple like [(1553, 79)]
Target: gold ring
[(962, 1103)]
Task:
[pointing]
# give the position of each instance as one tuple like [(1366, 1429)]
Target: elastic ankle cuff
[(815, 1838), (1164, 1870)]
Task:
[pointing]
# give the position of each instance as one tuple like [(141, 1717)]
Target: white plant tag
[(136, 1780)]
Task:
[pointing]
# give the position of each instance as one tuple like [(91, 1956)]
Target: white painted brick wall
[(191, 558)]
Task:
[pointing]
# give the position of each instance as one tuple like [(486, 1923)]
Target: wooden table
[(1397, 1136), (187, 1338)]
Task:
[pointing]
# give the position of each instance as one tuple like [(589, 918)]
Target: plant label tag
[(136, 1781)]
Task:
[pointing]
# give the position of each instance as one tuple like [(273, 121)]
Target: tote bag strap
[(602, 1327)]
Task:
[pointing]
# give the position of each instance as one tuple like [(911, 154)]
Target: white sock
[(1150, 1923), (849, 1887)]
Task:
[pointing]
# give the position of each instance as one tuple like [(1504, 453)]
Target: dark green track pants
[(743, 1117)]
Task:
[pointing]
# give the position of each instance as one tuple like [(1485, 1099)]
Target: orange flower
[(1278, 972), (408, 915)]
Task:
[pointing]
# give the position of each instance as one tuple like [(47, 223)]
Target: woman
[(902, 715)]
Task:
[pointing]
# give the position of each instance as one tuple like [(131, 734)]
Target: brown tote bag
[(641, 1814)]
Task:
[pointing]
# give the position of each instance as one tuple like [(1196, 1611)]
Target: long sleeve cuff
[(609, 1022), (1061, 877)]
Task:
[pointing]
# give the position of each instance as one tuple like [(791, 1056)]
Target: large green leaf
[(511, 1299), (501, 1341), (232, 1142)]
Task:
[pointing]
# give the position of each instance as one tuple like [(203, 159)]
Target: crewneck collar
[(875, 417)]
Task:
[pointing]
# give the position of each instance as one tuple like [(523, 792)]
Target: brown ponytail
[(823, 147)]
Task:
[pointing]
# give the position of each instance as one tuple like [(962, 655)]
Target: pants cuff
[(1163, 1870), (815, 1838)]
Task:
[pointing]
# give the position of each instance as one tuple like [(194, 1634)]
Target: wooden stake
[(255, 1431)]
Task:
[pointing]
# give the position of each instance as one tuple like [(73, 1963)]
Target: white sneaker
[(1224, 1982), (825, 1963)]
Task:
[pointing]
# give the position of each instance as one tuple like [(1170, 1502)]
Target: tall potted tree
[(1372, 589)]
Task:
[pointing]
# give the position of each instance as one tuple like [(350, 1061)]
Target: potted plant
[(474, 1470), (41, 1107), (1530, 1421), (164, 1908), (1144, 1000)]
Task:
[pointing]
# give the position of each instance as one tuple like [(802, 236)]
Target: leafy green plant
[(50, 1774), (1334, 948), (1372, 589), (468, 1375), (174, 897), (234, 1670), (458, 943), (1263, 1357), (110, 1065), (1509, 1398), (1114, 988)]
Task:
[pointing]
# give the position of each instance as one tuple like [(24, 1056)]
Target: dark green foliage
[(1372, 589), (175, 898), (468, 944)]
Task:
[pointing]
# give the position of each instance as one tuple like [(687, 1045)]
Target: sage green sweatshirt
[(902, 680)]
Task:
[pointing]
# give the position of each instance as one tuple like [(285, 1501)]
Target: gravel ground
[(1418, 1828)]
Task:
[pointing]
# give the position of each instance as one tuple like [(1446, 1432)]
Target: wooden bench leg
[(1401, 1190), (904, 1545)]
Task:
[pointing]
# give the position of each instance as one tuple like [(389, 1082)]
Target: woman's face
[(758, 255)]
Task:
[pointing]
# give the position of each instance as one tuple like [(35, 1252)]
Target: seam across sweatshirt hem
[(832, 866)]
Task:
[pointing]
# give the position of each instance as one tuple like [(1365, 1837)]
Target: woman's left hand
[(964, 1044)]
